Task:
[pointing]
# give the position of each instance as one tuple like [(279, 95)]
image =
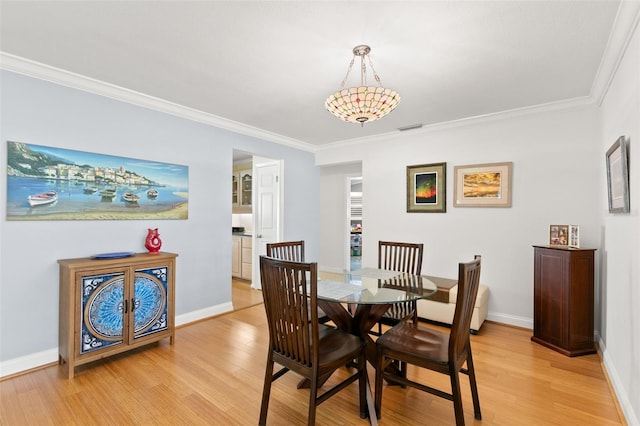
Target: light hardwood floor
[(243, 296), (213, 375)]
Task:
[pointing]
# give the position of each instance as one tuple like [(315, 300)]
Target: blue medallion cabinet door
[(108, 306), (149, 302), (102, 310)]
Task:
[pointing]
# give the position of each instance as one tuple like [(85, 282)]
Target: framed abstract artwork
[(482, 185), (618, 176), (426, 188)]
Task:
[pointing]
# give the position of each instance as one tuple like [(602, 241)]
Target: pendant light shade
[(363, 103)]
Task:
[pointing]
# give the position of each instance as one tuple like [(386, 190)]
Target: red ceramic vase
[(153, 241)]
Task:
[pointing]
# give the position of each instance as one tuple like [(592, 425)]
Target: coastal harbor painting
[(47, 183)]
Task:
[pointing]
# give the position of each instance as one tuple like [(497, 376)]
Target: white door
[(266, 210)]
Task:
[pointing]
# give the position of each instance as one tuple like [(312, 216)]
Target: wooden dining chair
[(287, 250), (293, 251), (435, 350), (401, 257), (298, 342)]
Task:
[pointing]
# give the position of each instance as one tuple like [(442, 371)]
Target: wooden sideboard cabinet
[(563, 299), (109, 306)]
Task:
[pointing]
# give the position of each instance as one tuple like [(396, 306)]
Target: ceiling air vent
[(410, 127)]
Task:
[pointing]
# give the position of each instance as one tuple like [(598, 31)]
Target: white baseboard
[(632, 418), (510, 320), (28, 362), (203, 313)]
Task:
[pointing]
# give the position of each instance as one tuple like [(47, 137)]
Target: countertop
[(241, 234)]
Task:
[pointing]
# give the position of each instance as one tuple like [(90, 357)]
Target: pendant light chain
[(344, 81)]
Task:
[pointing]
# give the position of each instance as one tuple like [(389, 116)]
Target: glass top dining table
[(371, 286), (356, 300)]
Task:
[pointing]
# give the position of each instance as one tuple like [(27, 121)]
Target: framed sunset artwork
[(426, 188)]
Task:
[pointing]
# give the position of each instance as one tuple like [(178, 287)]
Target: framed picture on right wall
[(618, 176)]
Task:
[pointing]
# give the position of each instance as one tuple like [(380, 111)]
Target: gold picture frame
[(482, 185), (427, 188)]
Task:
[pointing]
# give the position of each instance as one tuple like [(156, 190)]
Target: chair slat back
[(287, 250), (289, 291), (402, 257), (468, 284)]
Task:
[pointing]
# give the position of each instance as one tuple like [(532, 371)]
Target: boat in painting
[(90, 189), (152, 194), (43, 198), (108, 193), (130, 197)]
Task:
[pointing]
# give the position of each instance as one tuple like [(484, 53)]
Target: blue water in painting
[(73, 199)]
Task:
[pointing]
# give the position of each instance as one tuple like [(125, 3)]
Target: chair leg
[(362, 381), (266, 391), (313, 396), (378, 384), (457, 396), (474, 387)]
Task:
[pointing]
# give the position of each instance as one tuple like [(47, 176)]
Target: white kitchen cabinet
[(247, 254), (241, 255), (236, 256)]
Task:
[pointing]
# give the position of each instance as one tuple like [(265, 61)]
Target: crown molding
[(62, 77), (574, 103), (625, 25)]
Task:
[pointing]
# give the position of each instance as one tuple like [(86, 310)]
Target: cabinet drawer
[(246, 255), (246, 271), (246, 242)]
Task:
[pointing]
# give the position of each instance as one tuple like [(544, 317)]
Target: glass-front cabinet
[(242, 191)]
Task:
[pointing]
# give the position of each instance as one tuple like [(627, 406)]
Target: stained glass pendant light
[(363, 103)]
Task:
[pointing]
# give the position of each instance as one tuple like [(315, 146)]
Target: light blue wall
[(38, 112)]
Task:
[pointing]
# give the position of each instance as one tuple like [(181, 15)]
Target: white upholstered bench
[(440, 306)]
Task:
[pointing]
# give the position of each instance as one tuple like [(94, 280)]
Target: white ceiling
[(271, 65)]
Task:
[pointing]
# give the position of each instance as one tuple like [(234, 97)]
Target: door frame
[(259, 162)]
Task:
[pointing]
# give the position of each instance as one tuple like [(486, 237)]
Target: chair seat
[(420, 342), (336, 344)]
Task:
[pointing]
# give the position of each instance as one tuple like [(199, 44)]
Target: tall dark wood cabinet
[(563, 299)]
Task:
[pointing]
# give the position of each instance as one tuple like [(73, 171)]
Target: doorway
[(354, 219), (256, 221)]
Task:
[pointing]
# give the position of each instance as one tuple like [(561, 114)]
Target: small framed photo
[(618, 176), (574, 236), (426, 188), (482, 185), (559, 235)]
